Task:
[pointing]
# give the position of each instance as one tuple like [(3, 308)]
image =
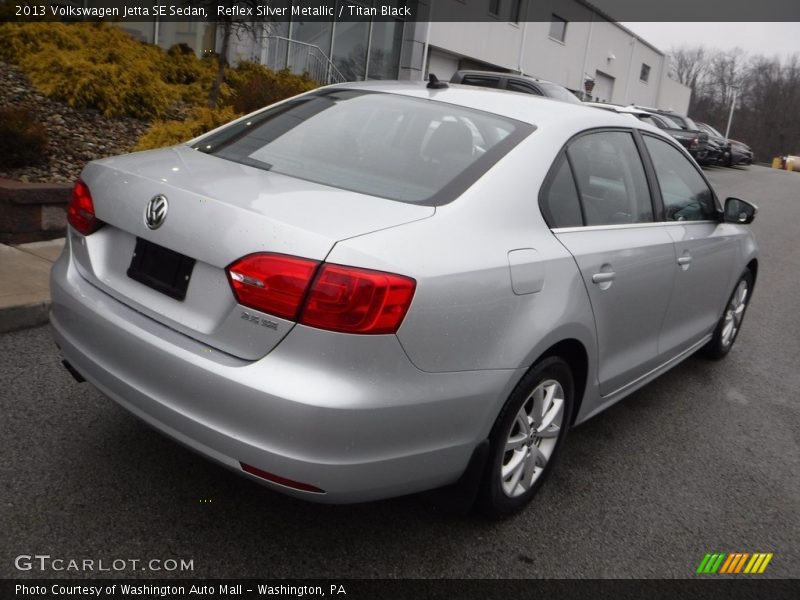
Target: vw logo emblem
[(155, 213)]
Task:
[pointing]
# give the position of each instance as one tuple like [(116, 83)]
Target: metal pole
[(730, 115)]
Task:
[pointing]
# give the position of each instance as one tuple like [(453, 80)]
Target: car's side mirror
[(739, 211)]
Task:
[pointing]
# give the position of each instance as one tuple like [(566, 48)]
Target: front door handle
[(685, 261), (604, 277)]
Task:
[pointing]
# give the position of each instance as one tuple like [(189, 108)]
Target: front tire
[(730, 323), (527, 437)]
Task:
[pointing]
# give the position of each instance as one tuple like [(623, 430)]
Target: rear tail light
[(354, 300), (272, 283), (80, 212), (332, 297)]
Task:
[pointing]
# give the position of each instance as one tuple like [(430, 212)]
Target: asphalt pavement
[(704, 459)]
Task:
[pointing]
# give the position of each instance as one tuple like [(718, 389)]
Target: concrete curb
[(24, 316)]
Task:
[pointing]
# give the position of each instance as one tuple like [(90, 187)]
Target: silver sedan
[(375, 289)]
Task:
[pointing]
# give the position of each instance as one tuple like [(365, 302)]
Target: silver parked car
[(376, 289)]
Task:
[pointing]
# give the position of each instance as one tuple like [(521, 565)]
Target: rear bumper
[(347, 414)]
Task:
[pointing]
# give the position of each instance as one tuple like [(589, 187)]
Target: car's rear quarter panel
[(465, 314)]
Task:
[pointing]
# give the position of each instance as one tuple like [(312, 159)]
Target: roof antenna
[(435, 84)]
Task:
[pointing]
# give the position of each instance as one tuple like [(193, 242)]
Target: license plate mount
[(161, 269)]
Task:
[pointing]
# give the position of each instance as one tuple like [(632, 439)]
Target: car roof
[(541, 111)]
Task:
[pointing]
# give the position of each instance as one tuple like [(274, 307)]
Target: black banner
[(391, 589), (409, 10)]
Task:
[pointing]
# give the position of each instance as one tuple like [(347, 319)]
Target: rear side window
[(481, 81), (679, 121), (652, 121), (559, 201), (610, 179), (516, 86), (685, 193), (387, 145)]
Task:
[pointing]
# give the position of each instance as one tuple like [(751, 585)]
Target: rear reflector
[(305, 487), (272, 283), (338, 298), (353, 300), (80, 212)]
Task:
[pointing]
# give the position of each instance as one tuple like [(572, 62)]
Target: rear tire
[(730, 323), (527, 437)]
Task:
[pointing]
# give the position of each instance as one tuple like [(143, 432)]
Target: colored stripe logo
[(734, 563)]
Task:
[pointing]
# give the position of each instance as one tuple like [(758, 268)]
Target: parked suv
[(515, 83)]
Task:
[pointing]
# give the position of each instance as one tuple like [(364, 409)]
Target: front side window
[(610, 178), (558, 28), (384, 145), (685, 193)]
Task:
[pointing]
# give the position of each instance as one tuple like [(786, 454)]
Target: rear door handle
[(684, 260), (603, 277)]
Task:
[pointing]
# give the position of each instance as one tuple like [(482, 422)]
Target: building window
[(494, 7), (644, 75), (558, 28), (516, 10), (384, 53), (350, 41)]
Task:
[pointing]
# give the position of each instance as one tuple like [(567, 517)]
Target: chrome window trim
[(629, 226)]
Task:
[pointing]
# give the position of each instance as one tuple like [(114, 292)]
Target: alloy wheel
[(532, 438), (734, 313)]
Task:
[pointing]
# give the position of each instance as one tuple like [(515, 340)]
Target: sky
[(769, 39)]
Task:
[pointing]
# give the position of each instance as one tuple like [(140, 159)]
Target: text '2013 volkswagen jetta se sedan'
[(375, 289)]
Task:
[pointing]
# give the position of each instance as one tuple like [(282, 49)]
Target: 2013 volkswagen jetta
[(374, 289)]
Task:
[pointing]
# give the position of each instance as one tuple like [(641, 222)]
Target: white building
[(564, 41)]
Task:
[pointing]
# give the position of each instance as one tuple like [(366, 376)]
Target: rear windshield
[(669, 122), (691, 124), (391, 146), (558, 92)]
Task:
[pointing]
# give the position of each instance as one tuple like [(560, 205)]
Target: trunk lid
[(218, 211)]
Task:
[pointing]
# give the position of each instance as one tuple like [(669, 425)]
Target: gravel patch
[(75, 136)]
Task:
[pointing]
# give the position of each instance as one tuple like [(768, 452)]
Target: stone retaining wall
[(31, 212)]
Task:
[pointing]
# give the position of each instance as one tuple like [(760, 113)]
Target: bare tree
[(768, 92), (689, 65)]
